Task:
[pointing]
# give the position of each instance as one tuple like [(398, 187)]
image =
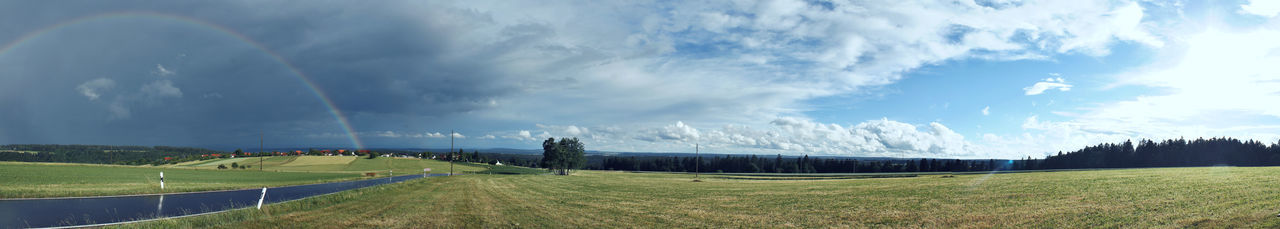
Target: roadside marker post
[(425, 171), (264, 196), (161, 180)]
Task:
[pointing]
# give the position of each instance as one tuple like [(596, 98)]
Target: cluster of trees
[(805, 164), (234, 166), (1167, 153), (532, 161), (460, 156), (100, 154), (563, 156)]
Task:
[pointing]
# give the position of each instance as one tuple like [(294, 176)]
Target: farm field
[(343, 164), (36, 180), (31, 180), (1217, 197)]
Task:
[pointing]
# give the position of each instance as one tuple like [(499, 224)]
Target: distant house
[(168, 158), (497, 163)]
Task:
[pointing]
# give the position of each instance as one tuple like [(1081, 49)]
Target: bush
[(221, 166)]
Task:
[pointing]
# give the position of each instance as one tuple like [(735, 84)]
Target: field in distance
[(31, 180), (1160, 197), (36, 180), (342, 164)]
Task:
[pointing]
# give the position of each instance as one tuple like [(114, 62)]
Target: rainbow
[(328, 103)]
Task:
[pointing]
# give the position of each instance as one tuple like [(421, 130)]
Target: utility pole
[(450, 152), (697, 164)]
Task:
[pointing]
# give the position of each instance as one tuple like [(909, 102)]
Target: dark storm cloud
[(370, 59)]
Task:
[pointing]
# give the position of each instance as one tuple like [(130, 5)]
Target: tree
[(563, 156), (372, 155), (235, 165)]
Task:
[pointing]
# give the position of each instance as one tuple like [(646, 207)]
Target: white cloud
[(1209, 84), (93, 89), (388, 134), (162, 71), (435, 135), (1122, 23), (488, 136), (1212, 85), (522, 135), (160, 89), (575, 131), (986, 110), (458, 135), (757, 60), (677, 132), (871, 138), (1047, 84), (1265, 8), (795, 136)]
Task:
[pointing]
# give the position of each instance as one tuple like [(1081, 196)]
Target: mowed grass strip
[(411, 165), (33, 180), (1220, 197), (320, 160), (221, 161)]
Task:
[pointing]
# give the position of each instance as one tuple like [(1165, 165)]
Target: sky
[(942, 79)]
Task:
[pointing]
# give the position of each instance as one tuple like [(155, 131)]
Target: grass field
[(29, 180), (33, 180), (346, 164), (318, 160), (1163, 197)]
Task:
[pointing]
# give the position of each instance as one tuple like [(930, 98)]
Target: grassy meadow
[(341, 164), (1162, 197), (36, 180), (30, 180)]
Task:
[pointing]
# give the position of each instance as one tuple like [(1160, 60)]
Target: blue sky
[(951, 79)]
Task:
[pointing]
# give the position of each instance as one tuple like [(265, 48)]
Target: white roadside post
[(161, 180), (264, 196), (425, 171)]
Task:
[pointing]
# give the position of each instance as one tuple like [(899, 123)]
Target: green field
[(1140, 198), (346, 164), (29, 180), (34, 180)]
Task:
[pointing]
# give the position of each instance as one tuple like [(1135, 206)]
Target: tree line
[(1146, 153), (567, 154), (1168, 153), (803, 164), (100, 154)]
